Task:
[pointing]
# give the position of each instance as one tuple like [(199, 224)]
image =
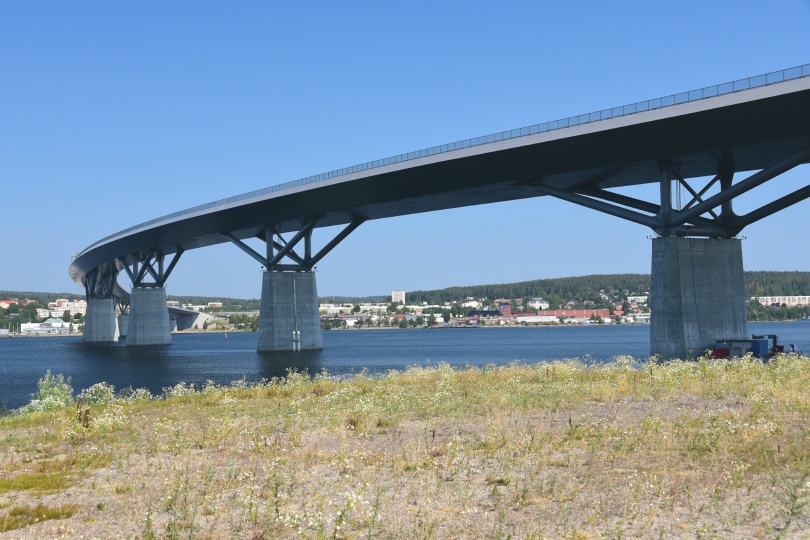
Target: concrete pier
[(101, 321), (697, 295), (148, 317), (123, 325), (289, 318)]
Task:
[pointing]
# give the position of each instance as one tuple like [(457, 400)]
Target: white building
[(537, 319), (43, 313), (51, 326), (640, 300), (538, 303), (787, 300), (61, 305), (398, 297), (334, 309)]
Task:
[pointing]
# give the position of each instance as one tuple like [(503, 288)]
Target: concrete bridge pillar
[(148, 317), (101, 321), (289, 319), (124, 325), (698, 295)]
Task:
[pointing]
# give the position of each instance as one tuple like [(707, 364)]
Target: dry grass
[(563, 450)]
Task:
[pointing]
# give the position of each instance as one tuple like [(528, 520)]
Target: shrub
[(54, 386), (99, 394), (54, 393)]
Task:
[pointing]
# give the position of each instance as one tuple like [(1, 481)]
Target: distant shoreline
[(78, 335)]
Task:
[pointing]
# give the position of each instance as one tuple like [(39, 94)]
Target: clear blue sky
[(113, 113)]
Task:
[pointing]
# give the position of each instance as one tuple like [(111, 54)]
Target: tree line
[(758, 283)]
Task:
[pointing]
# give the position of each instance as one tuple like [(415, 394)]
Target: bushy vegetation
[(55, 393), (561, 450)]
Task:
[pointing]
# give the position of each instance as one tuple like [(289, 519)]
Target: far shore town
[(63, 316)]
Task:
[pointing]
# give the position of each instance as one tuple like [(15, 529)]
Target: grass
[(706, 449), (23, 516), (49, 475)]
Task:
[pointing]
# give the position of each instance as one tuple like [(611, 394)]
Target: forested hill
[(765, 283), (770, 283), (581, 287)]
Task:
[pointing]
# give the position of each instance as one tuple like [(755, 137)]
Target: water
[(197, 358)]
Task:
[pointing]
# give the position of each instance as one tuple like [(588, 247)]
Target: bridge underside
[(765, 129)]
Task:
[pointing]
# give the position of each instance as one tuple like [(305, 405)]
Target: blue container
[(760, 348)]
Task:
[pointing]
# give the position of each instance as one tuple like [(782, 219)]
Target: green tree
[(403, 323), (205, 325), (431, 319), (356, 309), (420, 321)]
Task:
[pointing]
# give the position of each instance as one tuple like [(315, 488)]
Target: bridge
[(757, 124)]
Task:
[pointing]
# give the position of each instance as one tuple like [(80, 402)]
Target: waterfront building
[(538, 303), (398, 297), (787, 301), (51, 326)]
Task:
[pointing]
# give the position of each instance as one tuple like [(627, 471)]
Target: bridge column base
[(698, 295), (148, 317), (124, 325), (289, 304), (101, 322)]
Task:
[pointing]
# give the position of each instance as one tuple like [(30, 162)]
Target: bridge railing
[(708, 92)]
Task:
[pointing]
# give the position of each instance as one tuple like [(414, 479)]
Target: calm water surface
[(196, 358)]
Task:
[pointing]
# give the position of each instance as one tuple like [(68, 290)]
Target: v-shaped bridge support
[(289, 318), (699, 217)]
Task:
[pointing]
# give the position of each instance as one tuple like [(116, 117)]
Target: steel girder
[(692, 219), (153, 264), (277, 248)]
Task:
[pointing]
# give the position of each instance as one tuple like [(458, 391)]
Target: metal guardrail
[(708, 92)]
